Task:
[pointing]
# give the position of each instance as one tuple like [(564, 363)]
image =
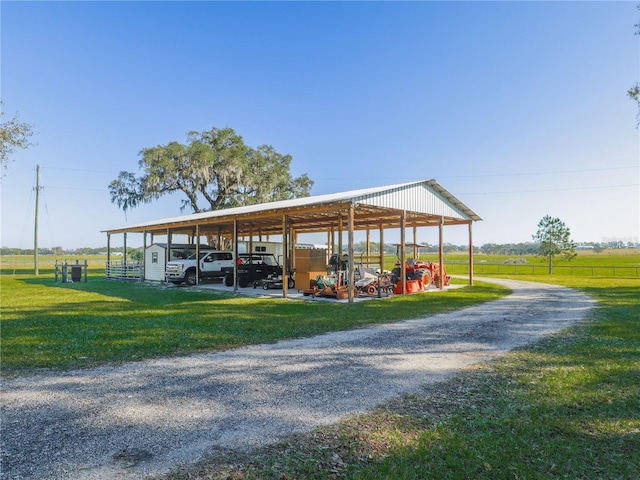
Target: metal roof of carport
[(424, 202)]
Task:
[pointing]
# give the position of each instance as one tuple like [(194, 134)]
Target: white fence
[(124, 270)]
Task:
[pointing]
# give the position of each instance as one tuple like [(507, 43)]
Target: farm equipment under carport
[(327, 286), (368, 282), (420, 275), (428, 273), (438, 274), (375, 284)]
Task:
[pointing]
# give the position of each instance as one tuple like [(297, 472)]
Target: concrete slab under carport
[(292, 293), (259, 292)]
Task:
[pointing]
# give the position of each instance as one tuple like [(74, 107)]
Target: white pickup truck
[(210, 265)]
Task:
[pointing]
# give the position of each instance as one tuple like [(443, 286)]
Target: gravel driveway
[(148, 417)]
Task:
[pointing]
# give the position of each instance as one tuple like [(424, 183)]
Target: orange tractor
[(429, 273)]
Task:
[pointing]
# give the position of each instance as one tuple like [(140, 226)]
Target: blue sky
[(517, 108)]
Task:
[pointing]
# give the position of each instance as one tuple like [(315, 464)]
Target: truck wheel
[(190, 278), (291, 283), (243, 282), (228, 280)]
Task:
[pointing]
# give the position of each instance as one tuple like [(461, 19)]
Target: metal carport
[(415, 204)]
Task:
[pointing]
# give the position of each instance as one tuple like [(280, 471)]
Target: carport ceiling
[(424, 203)]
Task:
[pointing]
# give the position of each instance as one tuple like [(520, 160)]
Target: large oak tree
[(13, 135), (215, 169)]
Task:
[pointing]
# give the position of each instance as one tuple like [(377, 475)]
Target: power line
[(48, 216), (556, 172), (82, 170), (77, 188), (485, 175), (28, 212), (595, 187)]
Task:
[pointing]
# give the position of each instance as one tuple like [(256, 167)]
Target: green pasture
[(54, 325), (612, 263), (564, 407), (24, 264), (624, 263)]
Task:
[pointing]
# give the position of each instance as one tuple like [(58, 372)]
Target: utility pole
[(35, 231)]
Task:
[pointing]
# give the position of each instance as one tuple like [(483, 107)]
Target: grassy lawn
[(49, 325), (565, 407)]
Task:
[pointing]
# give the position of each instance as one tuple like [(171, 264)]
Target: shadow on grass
[(56, 325), (127, 290)]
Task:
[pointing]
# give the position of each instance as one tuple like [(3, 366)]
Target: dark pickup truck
[(255, 269)]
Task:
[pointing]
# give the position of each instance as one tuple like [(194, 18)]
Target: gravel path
[(145, 418)]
